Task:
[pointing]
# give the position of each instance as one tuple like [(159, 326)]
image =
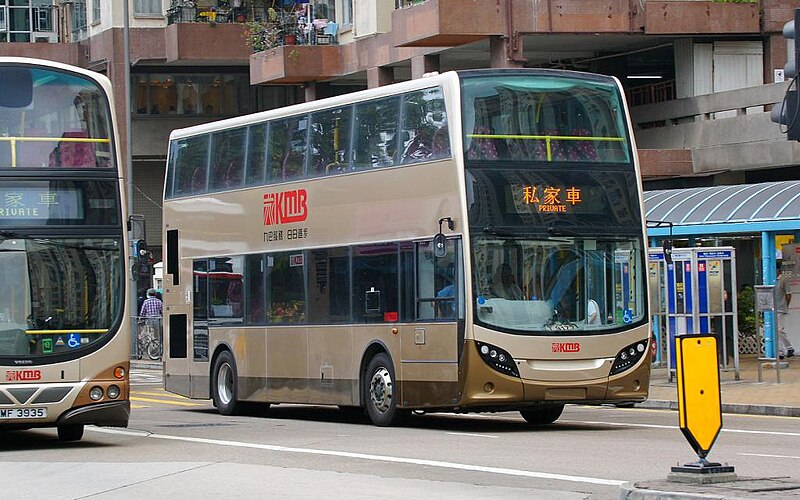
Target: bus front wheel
[(543, 414), (382, 392), (72, 432), (223, 384)]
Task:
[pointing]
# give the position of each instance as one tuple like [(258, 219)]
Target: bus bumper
[(485, 387), (111, 414)]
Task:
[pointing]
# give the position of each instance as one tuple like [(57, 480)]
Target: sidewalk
[(746, 395)]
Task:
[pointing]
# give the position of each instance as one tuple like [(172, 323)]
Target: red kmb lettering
[(23, 375), (566, 347), (285, 207)]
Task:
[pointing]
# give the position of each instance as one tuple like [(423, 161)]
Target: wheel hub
[(381, 389)]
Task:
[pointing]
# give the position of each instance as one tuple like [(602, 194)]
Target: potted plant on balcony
[(262, 35)]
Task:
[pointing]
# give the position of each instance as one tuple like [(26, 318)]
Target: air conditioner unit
[(45, 38)]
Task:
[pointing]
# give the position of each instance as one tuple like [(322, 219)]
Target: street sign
[(699, 402)]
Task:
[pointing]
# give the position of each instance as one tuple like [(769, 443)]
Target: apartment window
[(346, 19), (147, 8), (79, 17), (43, 18), (190, 94), (3, 25), (96, 11)]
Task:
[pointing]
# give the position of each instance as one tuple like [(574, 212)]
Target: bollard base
[(702, 472)]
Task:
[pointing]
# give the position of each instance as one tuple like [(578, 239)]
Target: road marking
[(675, 427), (471, 435), (137, 407), (161, 395), (163, 401), (767, 456), (364, 456)]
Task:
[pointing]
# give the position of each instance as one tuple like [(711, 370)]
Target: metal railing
[(149, 338)]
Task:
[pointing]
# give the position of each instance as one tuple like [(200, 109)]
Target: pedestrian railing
[(149, 337)]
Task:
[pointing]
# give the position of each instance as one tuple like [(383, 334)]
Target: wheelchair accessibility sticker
[(627, 316), (74, 340)]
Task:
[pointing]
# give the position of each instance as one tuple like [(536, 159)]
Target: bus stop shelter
[(763, 211)]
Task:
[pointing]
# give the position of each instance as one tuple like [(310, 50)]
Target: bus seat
[(585, 149), (73, 154), (482, 148), (233, 174)]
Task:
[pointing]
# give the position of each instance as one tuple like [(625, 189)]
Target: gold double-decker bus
[(470, 241), (64, 324)]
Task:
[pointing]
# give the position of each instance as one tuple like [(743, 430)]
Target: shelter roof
[(743, 208)]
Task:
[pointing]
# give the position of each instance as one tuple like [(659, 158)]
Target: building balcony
[(294, 64), (205, 43), (677, 17), (448, 23)]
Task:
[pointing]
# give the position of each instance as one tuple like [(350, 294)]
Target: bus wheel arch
[(224, 386)]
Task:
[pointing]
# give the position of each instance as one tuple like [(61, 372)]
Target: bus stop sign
[(699, 402)]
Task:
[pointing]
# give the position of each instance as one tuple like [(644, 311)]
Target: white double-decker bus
[(470, 241), (64, 325)]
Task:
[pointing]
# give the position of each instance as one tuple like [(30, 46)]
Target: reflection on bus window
[(375, 141), (543, 119), (287, 303), (424, 129)]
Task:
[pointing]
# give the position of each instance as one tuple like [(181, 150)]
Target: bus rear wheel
[(382, 393), (542, 414), (70, 432), (223, 384)]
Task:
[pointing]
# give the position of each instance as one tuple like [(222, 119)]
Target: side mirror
[(667, 247), (439, 245)]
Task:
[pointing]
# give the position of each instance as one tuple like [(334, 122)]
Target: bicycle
[(148, 339)]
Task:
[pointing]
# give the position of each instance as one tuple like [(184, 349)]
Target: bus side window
[(424, 131)]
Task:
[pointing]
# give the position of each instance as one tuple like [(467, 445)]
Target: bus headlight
[(112, 391), (498, 359), (96, 393), (628, 356)]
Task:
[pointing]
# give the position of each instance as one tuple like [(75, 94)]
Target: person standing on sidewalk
[(783, 297)]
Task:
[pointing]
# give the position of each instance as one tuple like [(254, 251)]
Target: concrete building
[(700, 75)]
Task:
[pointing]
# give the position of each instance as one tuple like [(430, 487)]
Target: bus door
[(431, 343), (177, 295)]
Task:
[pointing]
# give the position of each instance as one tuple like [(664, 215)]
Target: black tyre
[(154, 350), (223, 384), (381, 392), (542, 414), (70, 432)]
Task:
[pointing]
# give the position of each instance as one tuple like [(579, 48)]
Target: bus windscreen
[(538, 118)]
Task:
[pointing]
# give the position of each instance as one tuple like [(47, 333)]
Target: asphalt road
[(177, 448)]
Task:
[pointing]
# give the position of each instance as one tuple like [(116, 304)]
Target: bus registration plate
[(22, 413)]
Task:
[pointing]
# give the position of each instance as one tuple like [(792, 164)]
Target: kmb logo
[(566, 347), (22, 375), (285, 207)]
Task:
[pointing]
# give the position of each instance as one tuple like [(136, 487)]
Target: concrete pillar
[(380, 76), (499, 53), (310, 91), (768, 278), (424, 64)]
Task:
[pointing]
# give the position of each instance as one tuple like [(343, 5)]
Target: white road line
[(470, 434), (364, 456), (767, 456), (675, 427)]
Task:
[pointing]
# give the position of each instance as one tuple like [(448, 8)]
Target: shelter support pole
[(768, 278)]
